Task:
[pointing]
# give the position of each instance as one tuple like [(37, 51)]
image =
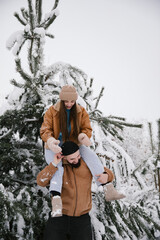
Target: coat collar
[(57, 107)]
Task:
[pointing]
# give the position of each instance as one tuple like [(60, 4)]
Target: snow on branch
[(22, 73), (50, 17), (40, 31), (51, 14), (6, 134), (117, 123), (22, 21), (129, 162), (15, 37), (31, 120), (99, 97)]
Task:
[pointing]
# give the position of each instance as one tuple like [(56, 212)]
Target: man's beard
[(77, 165)]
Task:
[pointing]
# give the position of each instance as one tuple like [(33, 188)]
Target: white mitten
[(53, 145), (84, 139)]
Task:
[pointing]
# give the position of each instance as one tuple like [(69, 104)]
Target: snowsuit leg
[(56, 181), (92, 161)]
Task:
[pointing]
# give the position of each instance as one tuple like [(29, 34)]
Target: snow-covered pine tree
[(24, 205)]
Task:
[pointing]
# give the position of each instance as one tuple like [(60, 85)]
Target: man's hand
[(102, 178), (57, 158)]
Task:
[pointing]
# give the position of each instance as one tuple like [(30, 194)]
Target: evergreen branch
[(41, 79), (104, 156), (47, 76), (117, 122), (109, 209), (127, 124), (30, 55), (114, 133), (114, 123), (73, 75), (76, 73), (87, 93), (20, 47), (151, 137), (16, 84), (31, 183), (6, 134), (81, 73), (141, 213), (134, 225), (50, 35), (91, 82), (24, 14), (21, 72), (142, 225), (115, 117), (99, 97), (56, 4), (143, 163), (106, 131), (39, 10), (31, 15), (123, 217), (105, 122), (50, 21), (36, 62), (96, 110), (19, 19), (134, 175)]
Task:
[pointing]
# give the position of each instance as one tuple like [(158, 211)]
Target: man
[(76, 196)]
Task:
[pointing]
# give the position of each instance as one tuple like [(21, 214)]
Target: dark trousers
[(68, 228)]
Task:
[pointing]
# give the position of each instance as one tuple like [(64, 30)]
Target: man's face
[(73, 158)]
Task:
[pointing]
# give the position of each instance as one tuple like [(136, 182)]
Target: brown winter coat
[(76, 187), (51, 128)]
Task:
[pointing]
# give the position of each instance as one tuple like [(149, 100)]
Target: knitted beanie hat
[(69, 147), (68, 92)]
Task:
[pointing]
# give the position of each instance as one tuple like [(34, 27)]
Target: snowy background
[(115, 42), (118, 45)]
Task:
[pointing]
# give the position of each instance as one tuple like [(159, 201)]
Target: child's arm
[(46, 130), (85, 129), (44, 177), (105, 177), (85, 125)]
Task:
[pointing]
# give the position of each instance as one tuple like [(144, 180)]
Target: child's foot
[(56, 206), (111, 193)]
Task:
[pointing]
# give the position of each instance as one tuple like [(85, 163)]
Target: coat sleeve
[(46, 130), (44, 177), (110, 174), (85, 125)]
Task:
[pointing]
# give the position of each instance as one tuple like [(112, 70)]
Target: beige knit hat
[(68, 92)]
